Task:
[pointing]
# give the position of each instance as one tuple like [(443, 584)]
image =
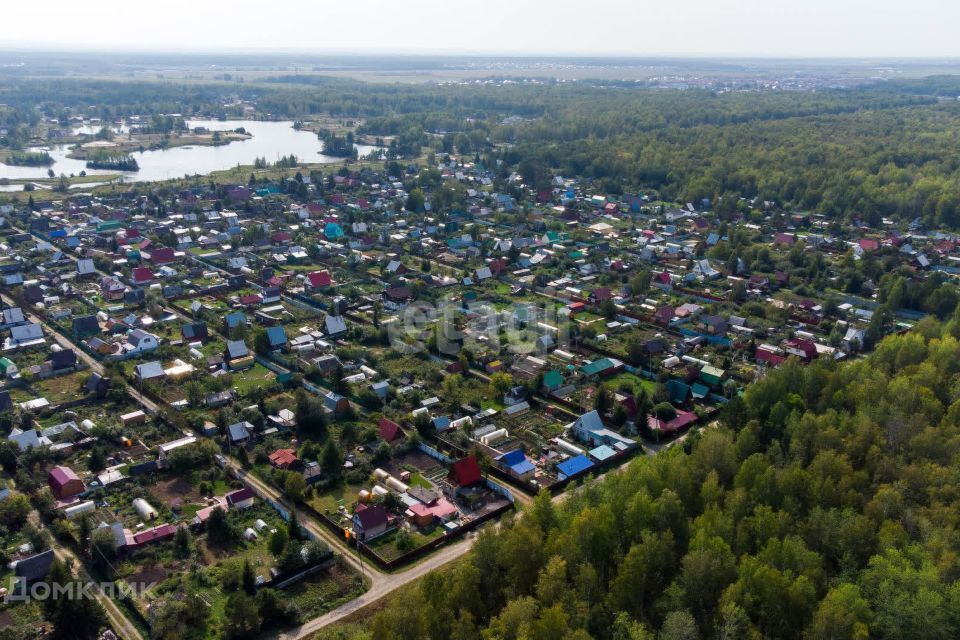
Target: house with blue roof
[(516, 464), (589, 428), (602, 453), (333, 231), (277, 337), (573, 467)]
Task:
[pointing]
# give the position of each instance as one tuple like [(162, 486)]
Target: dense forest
[(825, 504)]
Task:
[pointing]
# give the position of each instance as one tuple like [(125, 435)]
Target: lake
[(270, 140)]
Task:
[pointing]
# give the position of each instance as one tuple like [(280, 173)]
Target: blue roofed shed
[(573, 467)]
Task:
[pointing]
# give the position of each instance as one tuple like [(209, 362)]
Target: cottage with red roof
[(142, 275), (317, 280), (370, 521), (284, 458), (64, 483), (465, 472), (389, 430), (161, 255), (241, 498), (161, 532)]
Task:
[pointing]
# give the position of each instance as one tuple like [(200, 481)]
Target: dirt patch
[(147, 577), (177, 489), (6, 620)]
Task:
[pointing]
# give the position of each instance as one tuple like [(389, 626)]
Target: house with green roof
[(601, 368), (712, 376), (552, 380)]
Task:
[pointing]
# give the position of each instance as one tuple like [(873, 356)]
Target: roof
[(370, 516), (574, 465), (389, 430), (319, 279), (157, 533), (35, 567), (277, 336), (283, 457), (602, 453), (335, 324), (240, 495), (60, 476), (465, 472), (599, 366), (517, 461), (235, 319), (148, 370), (240, 430), (237, 349), (589, 421)]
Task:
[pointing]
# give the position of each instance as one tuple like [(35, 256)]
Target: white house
[(140, 341)]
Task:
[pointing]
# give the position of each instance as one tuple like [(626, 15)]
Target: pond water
[(270, 140)]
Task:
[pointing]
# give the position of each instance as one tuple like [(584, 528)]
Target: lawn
[(66, 388), (332, 498), (634, 380), (249, 379), (385, 546)]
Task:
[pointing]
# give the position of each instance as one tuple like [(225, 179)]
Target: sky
[(768, 28)]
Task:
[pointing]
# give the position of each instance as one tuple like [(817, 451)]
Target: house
[(398, 295), (681, 421), (804, 349), (370, 521), (63, 359), (284, 458), (240, 432), (12, 316), (573, 467), (97, 385), (141, 275), (589, 428), (85, 326), (64, 482), (663, 316), (111, 288), (140, 341), (552, 380), (195, 332), (34, 568), (602, 368), (465, 472), (516, 464), (237, 355), (85, 267), (333, 402), (318, 280), (335, 326), (276, 337), (389, 430), (241, 498), (234, 320), (148, 536), (149, 371), (25, 335)]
